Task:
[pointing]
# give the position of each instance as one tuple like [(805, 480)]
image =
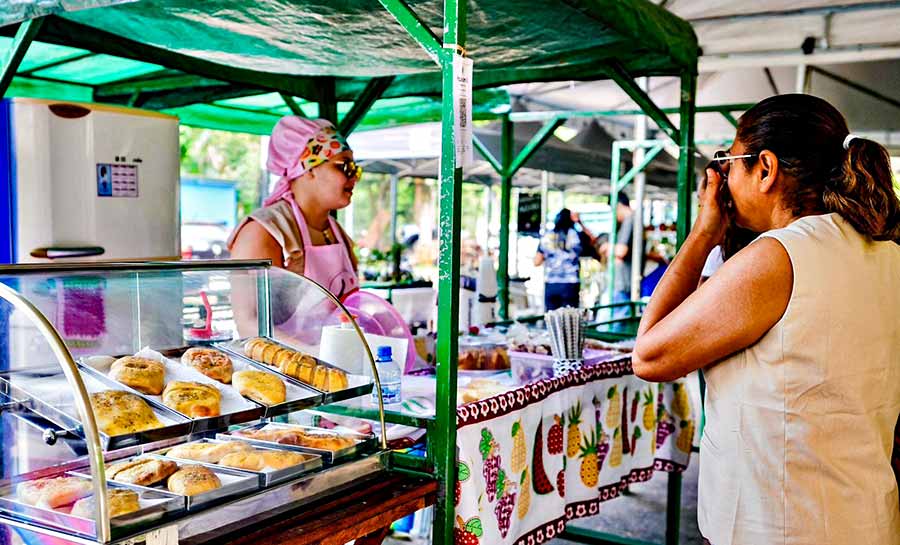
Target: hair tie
[(849, 138)]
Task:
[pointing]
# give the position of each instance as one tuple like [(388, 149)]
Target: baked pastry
[(144, 375), (329, 379), (299, 366), (119, 412), (121, 502), (479, 389), (260, 386), (262, 460), (193, 399), (210, 453), (193, 480), (318, 439), (141, 471), (53, 492), (211, 362)]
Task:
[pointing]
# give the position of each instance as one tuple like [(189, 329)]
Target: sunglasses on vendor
[(350, 169)]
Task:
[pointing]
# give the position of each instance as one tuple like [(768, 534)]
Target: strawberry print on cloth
[(532, 459)]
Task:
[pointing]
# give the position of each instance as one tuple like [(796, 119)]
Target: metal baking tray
[(363, 444), (46, 392), (234, 483), (298, 396), (155, 505), (234, 408), (358, 385), (267, 477)]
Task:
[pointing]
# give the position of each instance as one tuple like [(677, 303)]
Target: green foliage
[(227, 156)]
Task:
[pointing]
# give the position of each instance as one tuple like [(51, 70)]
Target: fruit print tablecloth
[(534, 458)]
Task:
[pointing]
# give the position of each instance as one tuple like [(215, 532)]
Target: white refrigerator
[(87, 182)]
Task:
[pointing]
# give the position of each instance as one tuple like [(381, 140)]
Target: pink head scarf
[(297, 145)]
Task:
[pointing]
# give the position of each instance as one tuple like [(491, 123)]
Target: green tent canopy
[(163, 54)]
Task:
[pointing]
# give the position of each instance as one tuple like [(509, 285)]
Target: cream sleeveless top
[(278, 220), (799, 426)]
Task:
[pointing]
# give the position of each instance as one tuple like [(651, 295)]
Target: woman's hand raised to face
[(711, 218)]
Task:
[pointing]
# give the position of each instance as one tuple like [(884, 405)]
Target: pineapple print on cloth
[(535, 458)]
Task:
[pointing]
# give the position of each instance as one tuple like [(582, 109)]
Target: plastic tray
[(363, 442), (266, 478), (234, 483), (155, 504), (47, 393), (358, 385)]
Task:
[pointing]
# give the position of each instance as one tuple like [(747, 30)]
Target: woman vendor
[(294, 228)]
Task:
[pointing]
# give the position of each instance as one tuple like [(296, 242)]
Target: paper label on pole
[(462, 109)]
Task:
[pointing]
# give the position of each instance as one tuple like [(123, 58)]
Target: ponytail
[(863, 191)]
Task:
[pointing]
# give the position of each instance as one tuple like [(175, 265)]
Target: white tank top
[(799, 429)]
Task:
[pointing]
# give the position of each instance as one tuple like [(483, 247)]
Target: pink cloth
[(289, 139)]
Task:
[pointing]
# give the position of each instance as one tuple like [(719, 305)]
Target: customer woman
[(560, 252), (798, 334)]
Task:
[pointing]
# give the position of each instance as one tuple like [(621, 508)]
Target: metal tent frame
[(443, 51)]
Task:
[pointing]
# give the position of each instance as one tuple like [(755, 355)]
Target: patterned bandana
[(323, 146)]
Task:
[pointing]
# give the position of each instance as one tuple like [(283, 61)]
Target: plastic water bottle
[(389, 374)]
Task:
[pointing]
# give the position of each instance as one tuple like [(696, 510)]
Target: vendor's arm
[(685, 328), (251, 242), (538, 258)]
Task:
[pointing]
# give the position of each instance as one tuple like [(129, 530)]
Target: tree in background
[(225, 156)]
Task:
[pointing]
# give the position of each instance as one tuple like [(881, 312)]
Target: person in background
[(796, 333), (620, 256), (560, 251)]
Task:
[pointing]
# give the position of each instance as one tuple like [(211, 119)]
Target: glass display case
[(167, 398)]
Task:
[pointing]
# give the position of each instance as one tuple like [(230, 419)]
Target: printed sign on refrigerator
[(117, 180)]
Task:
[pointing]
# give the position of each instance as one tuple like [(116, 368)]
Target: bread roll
[(193, 480), (121, 502), (210, 453), (119, 413), (263, 460), (212, 363), (318, 439), (141, 471), (144, 375), (260, 386), (193, 399), (53, 492)]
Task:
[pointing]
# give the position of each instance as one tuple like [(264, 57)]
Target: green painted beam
[(686, 157), (730, 118), (444, 437), (507, 143), (415, 27), (673, 508), (637, 169), (24, 36), (534, 144), (182, 97), (372, 92), (292, 105), (58, 62), (168, 82), (547, 115), (643, 100), (486, 153)]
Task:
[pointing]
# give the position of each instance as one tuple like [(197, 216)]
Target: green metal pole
[(448, 282), (486, 153), (292, 105), (673, 508), (637, 169), (535, 143), (686, 155), (507, 137), (613, 204), (24, 36)]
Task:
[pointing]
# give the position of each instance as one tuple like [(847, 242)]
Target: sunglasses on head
[(350, 169), (721, 162)]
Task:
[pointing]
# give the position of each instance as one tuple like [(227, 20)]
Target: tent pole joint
[(415, 27)]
